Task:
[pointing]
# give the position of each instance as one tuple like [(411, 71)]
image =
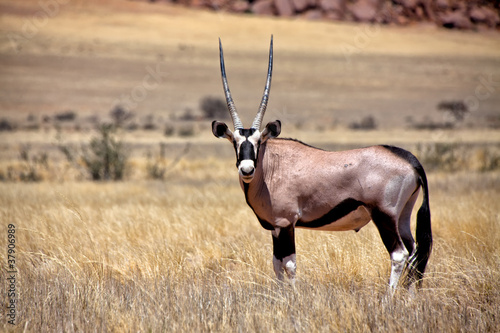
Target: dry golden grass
[(187, 254)]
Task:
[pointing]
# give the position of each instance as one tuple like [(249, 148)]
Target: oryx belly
[(355, 220), (347, 215)]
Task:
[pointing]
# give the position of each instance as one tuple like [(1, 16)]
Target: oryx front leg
[(284, 259)]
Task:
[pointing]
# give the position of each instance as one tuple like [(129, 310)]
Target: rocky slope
[(473, 14)]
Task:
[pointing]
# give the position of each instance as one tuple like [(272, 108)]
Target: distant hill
[(453, 14)]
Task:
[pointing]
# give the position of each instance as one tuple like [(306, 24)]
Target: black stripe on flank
[(342, 209), (266, 225)]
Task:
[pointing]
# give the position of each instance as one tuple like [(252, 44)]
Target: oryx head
[(246, 141)]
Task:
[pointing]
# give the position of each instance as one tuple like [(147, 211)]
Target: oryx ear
[(272, 130), (221, 130)]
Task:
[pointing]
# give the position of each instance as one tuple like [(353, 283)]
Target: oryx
[(289, 184)]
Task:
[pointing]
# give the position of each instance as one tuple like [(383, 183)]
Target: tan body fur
[(282, 191)]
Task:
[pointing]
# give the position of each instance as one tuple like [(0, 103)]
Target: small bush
[(120, 116), (150, 126), (429, 124), (367, 123), (105, 158), (66, 116), (213, 107), (457, 109), (6, 125)]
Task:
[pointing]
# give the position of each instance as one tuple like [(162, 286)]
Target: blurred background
[(346, 73)]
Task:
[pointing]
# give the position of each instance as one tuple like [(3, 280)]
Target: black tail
[(418, 260), (423, 231)]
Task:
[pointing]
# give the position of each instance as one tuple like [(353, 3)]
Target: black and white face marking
[(246, 145)]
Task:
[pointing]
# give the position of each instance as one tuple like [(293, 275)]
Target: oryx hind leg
[(387, 226), (284, 259), (407, 237)]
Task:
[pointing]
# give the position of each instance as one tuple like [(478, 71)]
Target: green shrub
[(105, 158)]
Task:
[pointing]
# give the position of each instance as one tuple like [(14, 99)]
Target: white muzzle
[(246, 170)]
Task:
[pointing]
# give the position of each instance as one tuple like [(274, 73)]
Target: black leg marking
[(387, 228), (284, 244)]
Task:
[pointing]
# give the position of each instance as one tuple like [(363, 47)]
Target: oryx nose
[(246, 168), (247, 171)]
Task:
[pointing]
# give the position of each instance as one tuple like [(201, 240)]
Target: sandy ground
[(88, 56)]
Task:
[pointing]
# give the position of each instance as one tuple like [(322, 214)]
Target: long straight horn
[(229, 100), (265, 98)]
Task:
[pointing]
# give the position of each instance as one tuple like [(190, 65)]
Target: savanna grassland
[(188, 255), (172, 246)]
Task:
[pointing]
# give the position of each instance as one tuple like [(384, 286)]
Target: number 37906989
[(11, 246)]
